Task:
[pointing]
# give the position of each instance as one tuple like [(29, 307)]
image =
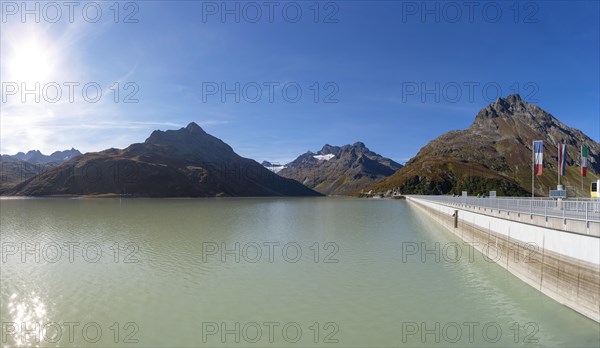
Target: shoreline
[(113, 196)]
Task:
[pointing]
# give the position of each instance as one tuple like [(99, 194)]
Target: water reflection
[(29, 316)]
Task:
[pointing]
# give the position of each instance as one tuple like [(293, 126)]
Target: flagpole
[(533, 169), (582, 193), (581, 165), (559, 165)]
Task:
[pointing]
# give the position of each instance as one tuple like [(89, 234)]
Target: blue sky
[(370, 60)]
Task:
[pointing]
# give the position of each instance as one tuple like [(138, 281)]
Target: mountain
[(274, 167), (495, 153), (176, 163), (22, 166), (338, 170), (36, 157), (13, 171)]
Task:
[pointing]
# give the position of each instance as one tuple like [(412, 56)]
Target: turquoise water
[(251, 272)]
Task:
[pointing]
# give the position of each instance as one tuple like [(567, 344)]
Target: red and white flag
[(562, 159), (538, 157)]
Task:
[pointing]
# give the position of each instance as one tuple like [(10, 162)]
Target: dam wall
[(562, 264)]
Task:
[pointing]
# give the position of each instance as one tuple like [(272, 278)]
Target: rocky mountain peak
[(73, 151), (513, 108), (339, 170), (513, 99), (503, 107), (190, 143), (194, 128), (329, 149), (190, 132)]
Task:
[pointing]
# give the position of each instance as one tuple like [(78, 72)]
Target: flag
[(538, 157), (584, 159), (562, 159)]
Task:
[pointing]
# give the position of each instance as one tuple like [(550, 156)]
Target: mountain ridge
[(339, 170), (37, 157), (187, 162), (494, 153)]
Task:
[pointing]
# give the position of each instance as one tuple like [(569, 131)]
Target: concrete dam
[(554, 246)]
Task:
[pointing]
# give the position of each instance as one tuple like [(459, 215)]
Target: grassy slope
[(452, 176)]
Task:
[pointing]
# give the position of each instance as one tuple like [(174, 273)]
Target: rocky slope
[(177, 163), (494, 153), (22, 166), (336, 170)]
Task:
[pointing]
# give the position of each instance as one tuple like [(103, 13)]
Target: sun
[(31, 61)]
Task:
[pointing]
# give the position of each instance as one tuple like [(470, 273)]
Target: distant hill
[(177, 163), (22, 166), (13, 171), (36, 157), (336, 170), (494, 153)]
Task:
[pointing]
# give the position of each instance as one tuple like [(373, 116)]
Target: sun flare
[(31, 61)]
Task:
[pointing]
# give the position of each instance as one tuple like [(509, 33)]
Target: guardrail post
[(531, 207), (455, 219)]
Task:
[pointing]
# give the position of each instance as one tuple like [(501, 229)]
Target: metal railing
[(582, 210)]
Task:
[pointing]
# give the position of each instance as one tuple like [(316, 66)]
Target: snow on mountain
[(324, 157)]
